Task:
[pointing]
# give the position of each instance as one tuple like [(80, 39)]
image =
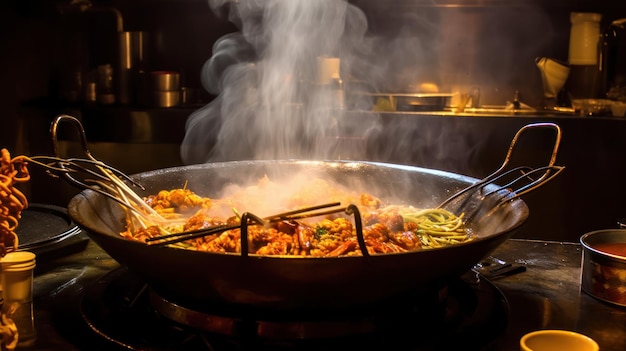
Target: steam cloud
[(270, 103)]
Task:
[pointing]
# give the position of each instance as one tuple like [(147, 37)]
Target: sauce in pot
[(612, 248)]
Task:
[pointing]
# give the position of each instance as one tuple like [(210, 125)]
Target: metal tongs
[(248, 219), (93, 174), (485, 194)]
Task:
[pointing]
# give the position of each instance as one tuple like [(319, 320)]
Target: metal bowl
[(603, 273)]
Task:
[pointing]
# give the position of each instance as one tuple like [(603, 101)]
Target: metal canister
[(164, 87), (603, 273), (132, 60), (104, 85)]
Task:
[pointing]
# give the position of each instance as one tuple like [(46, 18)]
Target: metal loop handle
[(470, 199), (54, 127)]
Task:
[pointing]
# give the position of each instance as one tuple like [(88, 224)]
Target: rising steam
[(271, 101)]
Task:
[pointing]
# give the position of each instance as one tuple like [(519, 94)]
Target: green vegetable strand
[(437, 227)]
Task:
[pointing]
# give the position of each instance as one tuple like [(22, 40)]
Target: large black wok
[(285, 283)]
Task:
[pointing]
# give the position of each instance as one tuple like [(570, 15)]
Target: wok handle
[(81, 133), (470, 199), (354, 210), (246, 218)]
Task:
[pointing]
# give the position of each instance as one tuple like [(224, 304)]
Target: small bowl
[(603, 269), (618, 108), (557, 340)]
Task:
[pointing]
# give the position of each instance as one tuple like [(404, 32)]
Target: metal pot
[(296, 283), (603, 273)]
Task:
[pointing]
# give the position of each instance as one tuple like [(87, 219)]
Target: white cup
[(557, 340), (16, 276), (618, 108), (584, 38)]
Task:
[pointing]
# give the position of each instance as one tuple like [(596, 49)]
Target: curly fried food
[(9, 335), (12, 201)]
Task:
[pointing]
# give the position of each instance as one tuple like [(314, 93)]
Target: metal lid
[(44, 225)]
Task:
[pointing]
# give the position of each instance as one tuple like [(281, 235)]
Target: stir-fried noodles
[(386, 228)]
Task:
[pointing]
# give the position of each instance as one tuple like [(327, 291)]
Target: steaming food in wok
[(295, 283), (386, 228)]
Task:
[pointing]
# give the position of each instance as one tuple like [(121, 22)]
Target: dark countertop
[(546, 296)]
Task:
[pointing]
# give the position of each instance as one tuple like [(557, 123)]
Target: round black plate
[(43, 226)]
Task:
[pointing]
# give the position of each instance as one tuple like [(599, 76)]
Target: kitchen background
[(51, 51)]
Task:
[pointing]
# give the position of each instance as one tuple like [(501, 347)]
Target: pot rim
[(588, 247)]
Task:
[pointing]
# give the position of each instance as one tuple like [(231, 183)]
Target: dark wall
[(456, 43), (491, 44), (488, 44), (45, 43)]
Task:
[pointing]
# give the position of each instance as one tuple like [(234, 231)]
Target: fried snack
[(9, 335), (12, 201)]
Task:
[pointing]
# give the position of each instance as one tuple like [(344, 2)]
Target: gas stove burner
[(316, 322), (243, 324), (125, 312)]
